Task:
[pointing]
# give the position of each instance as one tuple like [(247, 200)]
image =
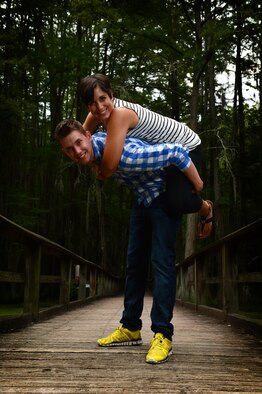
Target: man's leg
[(135, 285), (164, 233), (138, 258)]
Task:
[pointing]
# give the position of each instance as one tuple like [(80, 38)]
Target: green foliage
[(10, 310)]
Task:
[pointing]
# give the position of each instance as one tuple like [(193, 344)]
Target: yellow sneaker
[(121, 337), (160, 349)]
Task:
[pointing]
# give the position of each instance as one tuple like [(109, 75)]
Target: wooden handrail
[(232, 238), (13, 231), (194, 278), (100, 283)]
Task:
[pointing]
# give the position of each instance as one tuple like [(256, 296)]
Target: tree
[(166, 58)]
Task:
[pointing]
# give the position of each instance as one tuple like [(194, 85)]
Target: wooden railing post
[(181, 284), (229, 282), (200, 291), (196, 283), (65, 282), (32, 280), (82, 282), (93, 282)]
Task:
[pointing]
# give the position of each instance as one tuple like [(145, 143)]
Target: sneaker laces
[(157, 341), (118, 330)]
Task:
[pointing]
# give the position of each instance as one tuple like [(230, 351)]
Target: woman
[(120, 118)]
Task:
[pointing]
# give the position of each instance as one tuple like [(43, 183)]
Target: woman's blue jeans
[(152, 238)]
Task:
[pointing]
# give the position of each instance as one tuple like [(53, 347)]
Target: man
[(152, 234)]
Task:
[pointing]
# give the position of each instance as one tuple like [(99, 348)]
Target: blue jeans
[(152, 238)]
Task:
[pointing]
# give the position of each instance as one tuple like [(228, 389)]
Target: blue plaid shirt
[(141, 167)]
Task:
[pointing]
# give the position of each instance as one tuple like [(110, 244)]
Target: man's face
[(78, 147)]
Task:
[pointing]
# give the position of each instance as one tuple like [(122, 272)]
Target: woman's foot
[(205, 224)]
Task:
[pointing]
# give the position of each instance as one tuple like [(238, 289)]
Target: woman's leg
[(182, 200), (179, 190)]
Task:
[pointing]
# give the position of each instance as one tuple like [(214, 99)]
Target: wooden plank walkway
[(60, 356)]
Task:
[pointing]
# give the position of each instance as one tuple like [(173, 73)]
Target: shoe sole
[(153, 361), (128, 343)]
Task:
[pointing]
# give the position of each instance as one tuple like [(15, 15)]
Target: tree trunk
[(191, 218), (260, 112), (239, 124)]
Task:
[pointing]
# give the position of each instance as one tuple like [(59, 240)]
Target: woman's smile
[(102, 105)]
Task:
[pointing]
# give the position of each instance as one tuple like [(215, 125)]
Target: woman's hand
[(98, 172)]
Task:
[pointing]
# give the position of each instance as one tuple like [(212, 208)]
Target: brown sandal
[(206, 220)]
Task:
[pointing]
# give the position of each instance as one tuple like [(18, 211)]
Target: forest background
[(197, 61)]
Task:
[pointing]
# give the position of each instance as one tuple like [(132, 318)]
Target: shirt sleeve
[(139, 156)]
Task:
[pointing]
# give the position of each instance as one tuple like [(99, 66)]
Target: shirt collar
[(98, 144)]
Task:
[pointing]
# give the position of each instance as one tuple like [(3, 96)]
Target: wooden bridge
[(61, 356), (216, 349)]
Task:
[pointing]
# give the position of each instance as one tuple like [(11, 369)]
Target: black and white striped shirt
[(155, 128)]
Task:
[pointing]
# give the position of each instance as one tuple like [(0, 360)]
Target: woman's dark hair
[(88, 84)]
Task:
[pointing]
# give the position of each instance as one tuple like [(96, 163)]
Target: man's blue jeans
[(152, 238)]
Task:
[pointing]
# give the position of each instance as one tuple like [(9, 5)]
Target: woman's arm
[(91, 123), (194, 177), (120, 121)]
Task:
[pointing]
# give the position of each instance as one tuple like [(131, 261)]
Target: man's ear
[(88, 134)]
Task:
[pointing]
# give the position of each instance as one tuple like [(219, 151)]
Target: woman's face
[(102, 105)]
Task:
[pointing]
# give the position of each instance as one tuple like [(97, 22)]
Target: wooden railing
[(208, 280), (90, 279), (219, 279)]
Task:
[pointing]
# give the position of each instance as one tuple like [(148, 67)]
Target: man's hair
[(88, 84), (66, 127)]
